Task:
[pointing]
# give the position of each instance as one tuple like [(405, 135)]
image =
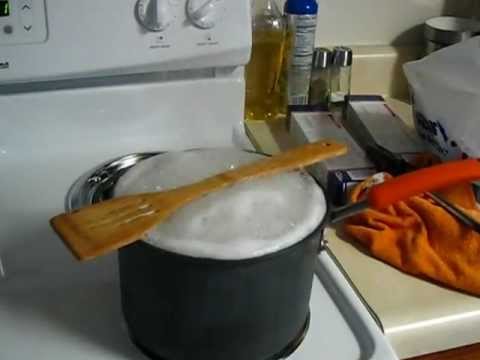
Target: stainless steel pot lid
[(98, 184)]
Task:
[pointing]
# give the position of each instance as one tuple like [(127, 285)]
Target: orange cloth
[(421, 238)]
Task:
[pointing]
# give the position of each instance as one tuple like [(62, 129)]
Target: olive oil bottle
[(266, 87)]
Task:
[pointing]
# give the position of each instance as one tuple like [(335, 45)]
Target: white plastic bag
[(445, 88)]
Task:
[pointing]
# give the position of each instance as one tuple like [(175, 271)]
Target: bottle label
[(303, 31), (303, 28)]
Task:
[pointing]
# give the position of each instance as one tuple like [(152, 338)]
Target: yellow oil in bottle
[(266, 94)]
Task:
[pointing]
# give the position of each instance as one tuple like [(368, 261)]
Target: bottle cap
[(342, 56), (301, 7), (322, 58)]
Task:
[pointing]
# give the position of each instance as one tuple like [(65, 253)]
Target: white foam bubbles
[(249, 220)]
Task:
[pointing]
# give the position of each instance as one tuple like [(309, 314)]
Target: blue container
[(302, 22)]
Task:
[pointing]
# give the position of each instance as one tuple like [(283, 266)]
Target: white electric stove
[(82, 82)]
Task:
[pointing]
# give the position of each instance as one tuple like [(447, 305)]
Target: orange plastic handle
[(424, 180)]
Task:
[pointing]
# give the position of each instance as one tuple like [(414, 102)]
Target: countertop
[(418, 317)]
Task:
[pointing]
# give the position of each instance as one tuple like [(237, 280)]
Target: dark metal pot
[(179, 307)]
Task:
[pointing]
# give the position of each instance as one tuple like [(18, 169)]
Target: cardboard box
[(370, 120), (307, 127)]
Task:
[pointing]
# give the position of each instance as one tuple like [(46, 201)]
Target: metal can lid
[(322, 58), (342, 56), (449, 30)]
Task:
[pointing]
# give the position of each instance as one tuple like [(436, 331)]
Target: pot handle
[(424, 180)]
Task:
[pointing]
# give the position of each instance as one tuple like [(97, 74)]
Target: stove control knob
[(154, 15), (203, 13)]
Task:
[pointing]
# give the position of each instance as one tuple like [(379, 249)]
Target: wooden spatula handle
[(290, 160), (299, 157)]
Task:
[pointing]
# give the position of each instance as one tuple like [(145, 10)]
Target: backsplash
[(383, 22)]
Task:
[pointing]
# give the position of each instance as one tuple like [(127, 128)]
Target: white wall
[(381, 22)]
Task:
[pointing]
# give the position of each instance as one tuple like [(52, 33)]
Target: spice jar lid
[(342, 56), (322, 58)]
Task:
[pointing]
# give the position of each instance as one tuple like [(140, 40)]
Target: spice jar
[(341, 76), (320, 82)]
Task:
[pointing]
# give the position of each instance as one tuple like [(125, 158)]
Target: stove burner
[(295, 344), (284, 354)]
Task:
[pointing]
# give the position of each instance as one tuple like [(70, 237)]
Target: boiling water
[(248, 220)]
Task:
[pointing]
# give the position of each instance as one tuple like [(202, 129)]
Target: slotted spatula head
[(110, 225)]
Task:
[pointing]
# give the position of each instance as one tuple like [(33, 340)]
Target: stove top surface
[(49, 311)]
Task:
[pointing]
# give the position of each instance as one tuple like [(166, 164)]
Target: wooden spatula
[(98, 229)]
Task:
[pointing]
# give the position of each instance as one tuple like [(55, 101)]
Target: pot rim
[(92, 186), (318, 231)]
